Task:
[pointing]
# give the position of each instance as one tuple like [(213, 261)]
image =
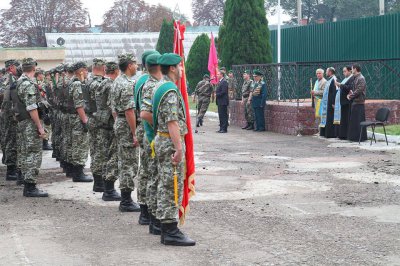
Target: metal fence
[(382, 77)]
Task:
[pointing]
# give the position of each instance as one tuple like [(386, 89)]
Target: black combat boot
[(144, 217), (46, 146), (154, 226), (246, 126), (127, 204), (12, 173), (79, 176), (20, 178), (30, 190), (98, 185), (172, 236), (201, 122), (69, 169), (110, 194), (198, 123), (251, 126)]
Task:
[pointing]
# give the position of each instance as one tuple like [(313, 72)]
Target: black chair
[(381, 117)]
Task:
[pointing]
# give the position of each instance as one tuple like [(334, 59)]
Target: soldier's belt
[(166, 135)]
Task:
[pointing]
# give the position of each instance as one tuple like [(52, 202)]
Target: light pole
[(279, 49), (381, 7), (299, 12)]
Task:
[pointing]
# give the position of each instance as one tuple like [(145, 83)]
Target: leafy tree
[(208, 12), (244, 35), (165, 43), (197, 62), (26, 22)]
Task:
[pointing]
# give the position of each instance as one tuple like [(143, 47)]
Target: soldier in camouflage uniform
[(107, 143), (123, 103), (90, 109), (31, 127), (78, 122), (203, 94), (232, 85), (170, 124), (8, 123), (147, 186), (247, 88)]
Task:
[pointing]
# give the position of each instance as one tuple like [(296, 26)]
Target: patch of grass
[(393, 130), (211, 108)]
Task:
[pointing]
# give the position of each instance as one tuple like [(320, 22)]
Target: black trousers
[(260, 119), (223, 117)]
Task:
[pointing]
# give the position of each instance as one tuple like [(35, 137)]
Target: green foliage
[(244, 35), (165, 43), (390, 130), (197, 62)]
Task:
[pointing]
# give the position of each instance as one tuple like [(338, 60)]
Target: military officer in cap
[(123, 103), (258, 99), (232, 85), (8, 124), (90, 109), (170, 124), (247, 88), (203, 94), (78, 122), (31, 128), (107, 143)]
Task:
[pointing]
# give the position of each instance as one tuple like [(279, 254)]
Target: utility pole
[(279, 48), (381, 7), (299, 12)]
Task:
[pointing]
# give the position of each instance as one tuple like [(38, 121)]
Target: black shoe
[(79, 176), (98, 184), (12, 173), (110, 194), (20, 178), (144, 217), (127, 204), (172, 236), (198, 123), (251, 126), (46, 146), (222, 131), (69, 169), (246, 126), (201, 122), (154, 226), (30, 190)]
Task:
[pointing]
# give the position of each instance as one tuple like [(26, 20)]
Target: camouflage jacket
[(147, 94), (123, 98), (247, 88), (204, 89), (27, 93)]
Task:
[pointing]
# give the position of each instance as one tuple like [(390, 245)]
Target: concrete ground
[(262, 199)]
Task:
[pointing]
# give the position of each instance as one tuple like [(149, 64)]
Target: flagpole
[(279, 49)]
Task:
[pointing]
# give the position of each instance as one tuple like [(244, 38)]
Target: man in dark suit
[(222, 103)]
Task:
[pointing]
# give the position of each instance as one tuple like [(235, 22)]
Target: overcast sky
[(97, 8)]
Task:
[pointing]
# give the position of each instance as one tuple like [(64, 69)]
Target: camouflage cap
[(169, 59), (146, 54), (78, 65), (223, 69), (124, 58), (11, 62), (29, 62), (60, 68), (98, 62), (111, 66), (39, 71), (257, 72), (206, 76), (48, 72), (153, 58)]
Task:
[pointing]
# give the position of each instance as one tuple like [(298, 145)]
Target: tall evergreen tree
[(244, 35), (165, 43), (197, 62)]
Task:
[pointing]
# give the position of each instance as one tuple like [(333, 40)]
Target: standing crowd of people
[(110, 115), (340, 105)]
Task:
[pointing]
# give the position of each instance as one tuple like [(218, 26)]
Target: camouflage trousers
[(202, 106), (95, 165), (110, 169), (65, 138), (31, 151), (9, 139), (79, 150), (167, 209), (127, 155), (152, 182), (56, 133), (248, 111)]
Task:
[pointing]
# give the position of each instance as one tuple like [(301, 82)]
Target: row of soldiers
[(111, 115)]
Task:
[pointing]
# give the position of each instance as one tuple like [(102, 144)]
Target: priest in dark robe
[(327, 127), (345, 87)]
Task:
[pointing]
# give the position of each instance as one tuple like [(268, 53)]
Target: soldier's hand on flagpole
[(42, 133), (176, 157), (135, 141)]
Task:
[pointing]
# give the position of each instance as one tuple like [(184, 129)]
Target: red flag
[(188, 185), (213, 62)]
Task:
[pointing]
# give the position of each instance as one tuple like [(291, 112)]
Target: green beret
[(26, 62), (230, 71), (11, 62), (111, 66), (206, 76), (78, 65), (98, 62), (223, 69), (124, 58), (146, 54), (152, 59), (169, 59), (246, 72), (257, 73)]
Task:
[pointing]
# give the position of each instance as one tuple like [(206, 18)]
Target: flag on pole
[(213, 62), (188, 185)]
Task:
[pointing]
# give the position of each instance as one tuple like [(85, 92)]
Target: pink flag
[(213, 62)]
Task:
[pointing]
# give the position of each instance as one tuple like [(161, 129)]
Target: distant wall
[(46, 57)]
